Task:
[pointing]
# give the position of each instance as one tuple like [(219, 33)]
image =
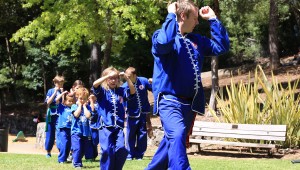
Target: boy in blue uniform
[(137, 110), (80, 129), (52, 114), (110, 97), (177, 88), (64, 126), (76, 85)]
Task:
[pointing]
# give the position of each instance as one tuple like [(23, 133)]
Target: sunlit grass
[(39, 162)]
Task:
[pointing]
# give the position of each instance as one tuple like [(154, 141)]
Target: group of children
[(80, 120)]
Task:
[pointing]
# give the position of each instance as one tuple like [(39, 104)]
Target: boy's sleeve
[(164, 38), (60, 108), (49, 94), (219, 42), (148, 85), (126, 93), (98, 92), (73, 108), (90, 110)]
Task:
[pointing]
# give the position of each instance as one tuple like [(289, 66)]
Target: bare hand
[(207, 13), (65, 92), (172, 8), (92, 98), (122, 74)]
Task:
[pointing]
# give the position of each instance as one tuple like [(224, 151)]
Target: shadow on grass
[(236, 153)]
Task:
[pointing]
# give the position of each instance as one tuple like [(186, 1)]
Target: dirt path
[(28, 147)]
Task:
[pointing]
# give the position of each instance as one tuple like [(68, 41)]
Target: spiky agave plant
[(262, 101)]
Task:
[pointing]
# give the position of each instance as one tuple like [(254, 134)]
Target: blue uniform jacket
[(80, 125), (111, 110), (178, 60), (94, 119), (53, 106), (140, 104), (65, 116)]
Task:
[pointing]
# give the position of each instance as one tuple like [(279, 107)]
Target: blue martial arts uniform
[(64, 131), (95, 130), (111, 123), (51, 121), (177, 87), (136, 110), (81, 137)]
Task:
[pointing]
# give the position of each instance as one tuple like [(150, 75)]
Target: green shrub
[(262, 101)]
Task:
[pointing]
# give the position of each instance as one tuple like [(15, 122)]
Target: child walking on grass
[(76, 85), (110, 97), (94, 125), (52, 114), (64, 125), (80, 129)]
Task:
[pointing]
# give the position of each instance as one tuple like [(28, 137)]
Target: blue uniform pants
[(95, 142), (136, 137), (177, 118), (113, 149), (51, 134), (80, 145), (64, 136)]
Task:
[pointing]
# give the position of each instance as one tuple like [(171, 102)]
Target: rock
[(40, 135)]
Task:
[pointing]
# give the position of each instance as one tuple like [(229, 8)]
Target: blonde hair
[(185, 7), (106, 72), (82, 92), (58, 78)]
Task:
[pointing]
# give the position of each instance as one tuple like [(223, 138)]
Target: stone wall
[(17, 123), (158, 134)]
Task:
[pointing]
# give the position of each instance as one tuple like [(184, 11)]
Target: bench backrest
[(240, 131)]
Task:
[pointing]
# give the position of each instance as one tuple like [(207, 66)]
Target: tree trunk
[(214, 83), (1, 108), (214, 70), (273, 35), (45, 80), (94, 63), (13, 68), (107, 51)]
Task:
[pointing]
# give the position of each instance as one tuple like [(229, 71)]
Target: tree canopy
[(42, 38)]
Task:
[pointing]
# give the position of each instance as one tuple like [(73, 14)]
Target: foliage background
[(39, 39)]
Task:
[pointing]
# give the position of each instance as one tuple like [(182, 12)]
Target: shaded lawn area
[(39, 162)]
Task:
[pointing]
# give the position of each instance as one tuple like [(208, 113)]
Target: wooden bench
[(257, 136)]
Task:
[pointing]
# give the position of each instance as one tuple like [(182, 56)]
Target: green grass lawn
[(39, 162)]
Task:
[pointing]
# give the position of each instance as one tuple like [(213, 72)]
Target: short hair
[(58, 78), (185, 7), (82, 92), (131, 70), (78, 82), (106, 72), (68, 96)]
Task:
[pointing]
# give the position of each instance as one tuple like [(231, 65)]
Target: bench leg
[(270, 152), (199, 147)]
